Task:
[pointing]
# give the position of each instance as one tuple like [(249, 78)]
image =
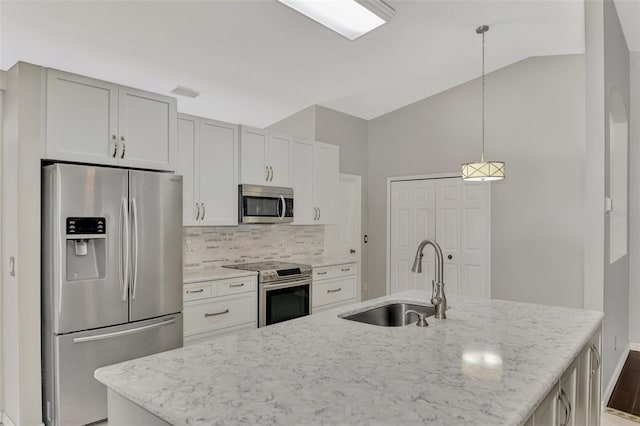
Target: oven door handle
[(277, 286)]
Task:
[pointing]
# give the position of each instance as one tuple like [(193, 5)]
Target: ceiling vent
[(185, 91)]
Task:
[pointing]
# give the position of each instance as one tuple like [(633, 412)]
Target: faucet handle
[(422, 317)]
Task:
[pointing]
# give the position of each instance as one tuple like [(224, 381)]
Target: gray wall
[(616, 275), (301, 124), (535, 122)]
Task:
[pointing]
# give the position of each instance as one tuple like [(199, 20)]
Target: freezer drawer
[(81, 398)]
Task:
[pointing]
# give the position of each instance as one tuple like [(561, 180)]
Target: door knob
[(449, 257)]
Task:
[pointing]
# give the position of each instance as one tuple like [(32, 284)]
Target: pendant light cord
[(482, 155)]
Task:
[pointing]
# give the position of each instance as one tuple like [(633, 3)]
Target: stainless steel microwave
[(265, 204)]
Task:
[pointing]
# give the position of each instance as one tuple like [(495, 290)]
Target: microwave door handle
[(284, 208)]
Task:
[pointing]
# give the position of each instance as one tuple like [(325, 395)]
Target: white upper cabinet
[(208, 162), (187, 139), (147, 128), (82, 119), (218, 173), (325, 182), (304, 211), (315, 177), (279, 159), (93, 121), (265, 157)]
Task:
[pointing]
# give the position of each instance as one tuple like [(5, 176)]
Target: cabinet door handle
[(215, 314), (319, 213), (594, 351), (266, 169), (197, 211), (124, 147), (322, 273), (115, 146), (272, 173), (567, 407), (334, 290), (236, 285), (345, 269), (195, 291), (204, 211)]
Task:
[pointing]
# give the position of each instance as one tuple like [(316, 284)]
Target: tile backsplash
[(205, 247)]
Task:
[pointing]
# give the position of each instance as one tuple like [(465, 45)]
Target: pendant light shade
[(483, 171)]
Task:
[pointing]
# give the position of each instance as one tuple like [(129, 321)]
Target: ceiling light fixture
[(483, 171), (349, 18)]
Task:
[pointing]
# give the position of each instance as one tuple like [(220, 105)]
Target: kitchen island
[(490, 363)]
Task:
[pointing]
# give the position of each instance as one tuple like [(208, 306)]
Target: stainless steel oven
[(265, 204), (283, 301), (284, 290)]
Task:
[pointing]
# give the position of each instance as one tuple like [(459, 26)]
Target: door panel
[(82, 119), (279, 159), (187, 136), (156, 217), (448, 230), (412, 220), (218, 180), (253, 156), (85, 290), (474, 246), (147, 127), (82, 399), (302, 179)]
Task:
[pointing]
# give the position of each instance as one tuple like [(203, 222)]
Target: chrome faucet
[(438, 299)]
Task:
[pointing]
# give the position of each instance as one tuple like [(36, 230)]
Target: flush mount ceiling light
[(483, 171), (349, 18), (185, 91)]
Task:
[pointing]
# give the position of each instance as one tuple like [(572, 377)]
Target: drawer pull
[(195, 291), (322, 273), (334, 290), (345, 269), (237, 285), (215, 314)]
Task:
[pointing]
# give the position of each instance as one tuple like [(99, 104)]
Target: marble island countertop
[(490, 363)]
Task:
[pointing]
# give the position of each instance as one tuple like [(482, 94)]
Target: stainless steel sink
[(391, 315)]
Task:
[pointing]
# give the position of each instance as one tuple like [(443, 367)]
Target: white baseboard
[(616, 373), (634, 346), (6, 421)]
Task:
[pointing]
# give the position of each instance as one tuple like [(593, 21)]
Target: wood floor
[(626, 394)]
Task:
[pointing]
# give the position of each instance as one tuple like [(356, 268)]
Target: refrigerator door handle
[(124, 254), (135, 250), (123, 332)]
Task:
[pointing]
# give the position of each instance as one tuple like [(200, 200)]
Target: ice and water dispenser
[(86, 248)]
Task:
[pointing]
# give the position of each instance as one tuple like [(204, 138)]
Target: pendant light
[(483, 171)]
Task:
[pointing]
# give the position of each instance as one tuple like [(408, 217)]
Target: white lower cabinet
[(218, 307), (333, 286), (575, 399)]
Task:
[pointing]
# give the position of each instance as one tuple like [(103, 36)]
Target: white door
[(325, 182), (460, 220), (279, 159), (147, 129), (412, 220), (218, 170), (253, 156), (82, 119), (344, 239), (475, 243), (188, 129), (302, 179), (448, 226)]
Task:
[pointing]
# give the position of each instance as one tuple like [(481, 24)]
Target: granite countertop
[(322, 261), (490, 363), (214, 273)]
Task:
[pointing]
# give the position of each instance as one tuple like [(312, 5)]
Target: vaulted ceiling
[(257, 61)]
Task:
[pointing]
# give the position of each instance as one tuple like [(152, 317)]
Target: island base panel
[(123, 412)]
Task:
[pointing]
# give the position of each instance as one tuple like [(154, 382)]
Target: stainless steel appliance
[(111, 279), (284, 290), (265, 204)]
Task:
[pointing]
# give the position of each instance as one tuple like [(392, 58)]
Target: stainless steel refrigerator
[(111, 279)]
